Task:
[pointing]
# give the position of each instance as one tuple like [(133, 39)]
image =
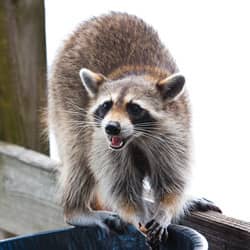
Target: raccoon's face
[(120, 112), (126, 109)]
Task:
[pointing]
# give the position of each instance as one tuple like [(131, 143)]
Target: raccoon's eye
[(103, 109), (106, 105), (134, 109)]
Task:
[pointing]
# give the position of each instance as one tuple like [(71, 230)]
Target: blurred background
[(210, 41)]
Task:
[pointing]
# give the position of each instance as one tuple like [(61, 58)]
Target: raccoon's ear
[(91, 81), (171, 87)]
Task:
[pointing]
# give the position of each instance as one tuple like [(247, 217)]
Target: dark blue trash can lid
[(95, 238)]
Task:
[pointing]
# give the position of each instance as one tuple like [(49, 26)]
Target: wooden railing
[(29, 202)]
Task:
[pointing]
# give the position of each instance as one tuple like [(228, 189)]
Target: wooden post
[(22, 72)]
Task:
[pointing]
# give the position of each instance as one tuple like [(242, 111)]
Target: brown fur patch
[(122, 95), (171, 202), (128, 213), (97, 204), (117, 114), (151, 73), (170, 199)]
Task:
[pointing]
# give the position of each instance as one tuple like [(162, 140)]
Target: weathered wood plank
[(28, 202), (22, 72), (28, 193), (222, 232)]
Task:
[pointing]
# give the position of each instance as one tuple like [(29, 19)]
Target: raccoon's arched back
[(111, 41), (107, 44)]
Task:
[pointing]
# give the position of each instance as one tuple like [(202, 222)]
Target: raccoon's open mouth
[(116, 142)]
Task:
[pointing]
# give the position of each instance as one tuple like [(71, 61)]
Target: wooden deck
[(29, 203)]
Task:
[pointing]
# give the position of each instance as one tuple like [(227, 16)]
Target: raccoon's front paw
[(108, 221), (202, 205), (156, 233), (115, 223)]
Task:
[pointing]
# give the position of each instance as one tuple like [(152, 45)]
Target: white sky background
[(210, 41)]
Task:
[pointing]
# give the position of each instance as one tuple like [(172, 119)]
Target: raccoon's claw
[(115, 223), (154, 229), (202, 205), (156, 233)]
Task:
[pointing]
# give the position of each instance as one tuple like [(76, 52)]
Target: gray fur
[(129, 54)]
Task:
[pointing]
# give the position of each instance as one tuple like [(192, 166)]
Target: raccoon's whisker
[(75, 106), (73, 112), (79, 128), (76, 113), (148, 123), (145, 123), (82, 123), (142, 133), (152, 136), (150, 130), (87, 122), (147, 131), (168, 143), (158, 139), (80, 112), (147, 128), (155, 145)]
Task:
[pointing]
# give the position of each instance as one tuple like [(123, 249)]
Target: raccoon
[(120, 113)]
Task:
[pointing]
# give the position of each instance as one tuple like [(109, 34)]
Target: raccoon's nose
[(113, 128)]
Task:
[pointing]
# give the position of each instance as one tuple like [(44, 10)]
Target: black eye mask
[(102, 110), (138, 115)]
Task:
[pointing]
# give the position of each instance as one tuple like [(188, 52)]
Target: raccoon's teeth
[(116, 141)]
